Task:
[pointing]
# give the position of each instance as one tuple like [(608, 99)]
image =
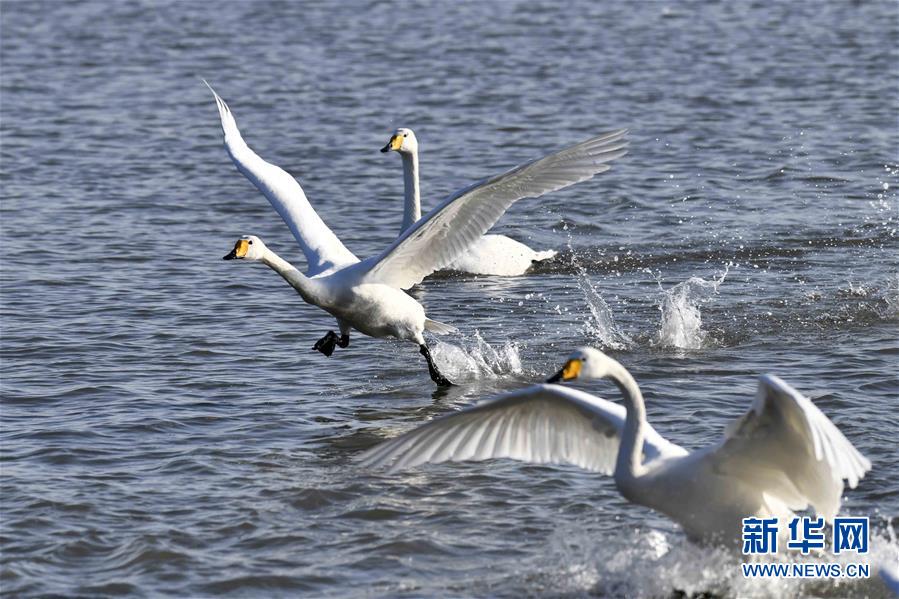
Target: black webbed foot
[(436, 376), (327, 343)]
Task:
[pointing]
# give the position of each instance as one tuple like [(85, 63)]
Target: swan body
[(368, 295), (373, 309), (781, 456), (488, 255), (498, 255)]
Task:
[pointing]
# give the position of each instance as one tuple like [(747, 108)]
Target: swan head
[(402, 141), (585, 363), (248, 247)]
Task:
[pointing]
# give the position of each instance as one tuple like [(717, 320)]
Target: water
[(166, 429), (681, 325)]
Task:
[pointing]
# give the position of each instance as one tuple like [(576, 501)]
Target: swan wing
[(542, 424), (323, 250), (450, 228), (787, 447)]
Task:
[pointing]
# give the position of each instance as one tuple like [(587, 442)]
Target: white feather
[(524, 425), (323, 250)]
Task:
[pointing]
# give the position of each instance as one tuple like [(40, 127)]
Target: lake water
[(166, 428)]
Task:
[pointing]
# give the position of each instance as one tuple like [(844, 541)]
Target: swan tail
[(544, 255), (439, 328)]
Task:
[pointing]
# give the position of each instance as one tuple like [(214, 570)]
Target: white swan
[(782, 455), (368, 295), (488, 254)]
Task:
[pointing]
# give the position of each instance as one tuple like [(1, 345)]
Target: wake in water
[(681, 319), (476, 359)]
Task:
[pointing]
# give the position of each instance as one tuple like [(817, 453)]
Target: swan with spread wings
[(368, 295), (783, 455)]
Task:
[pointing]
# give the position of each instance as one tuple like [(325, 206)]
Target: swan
[(368, 295), (782, 455), (488, 254)]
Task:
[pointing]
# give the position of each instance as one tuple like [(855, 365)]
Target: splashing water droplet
[(681, 322), (601, 325), (476, 359)]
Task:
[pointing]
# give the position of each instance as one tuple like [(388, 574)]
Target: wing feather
[(323, 250), (542, 424), (788, 447), (448, 230)]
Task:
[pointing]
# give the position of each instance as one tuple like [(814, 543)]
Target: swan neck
[(630, 454), (412, 198), (289, 273)]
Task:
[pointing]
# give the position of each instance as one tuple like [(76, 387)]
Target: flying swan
[(782, 455), (488, 254), (368, 295)]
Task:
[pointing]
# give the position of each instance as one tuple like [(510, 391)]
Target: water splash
[(601, 325), (476, 359), (669, 565), (891, 298), (681, 321), (859, 291)]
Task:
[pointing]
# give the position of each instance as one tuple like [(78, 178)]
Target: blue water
[(166, 428)]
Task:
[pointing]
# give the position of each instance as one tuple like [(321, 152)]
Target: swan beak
[(394, 144), (571, 370), (239, 251)]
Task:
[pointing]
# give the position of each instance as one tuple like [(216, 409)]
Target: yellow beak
[(571, 370), (395, 143), (239, 251)]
